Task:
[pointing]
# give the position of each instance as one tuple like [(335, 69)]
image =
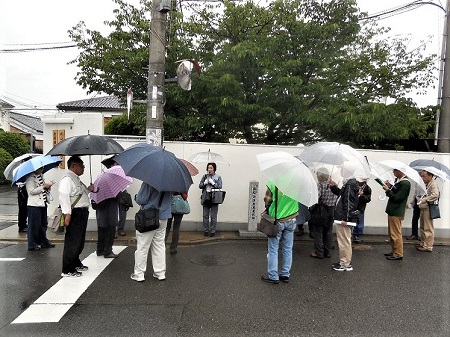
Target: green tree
[(5, 159), (294, 71), (13, 143)]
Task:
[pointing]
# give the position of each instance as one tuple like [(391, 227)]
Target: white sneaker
[(137, 279), (159, 278), (342, 268)]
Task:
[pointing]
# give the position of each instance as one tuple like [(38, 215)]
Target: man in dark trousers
[(22, 200), (74, 202)]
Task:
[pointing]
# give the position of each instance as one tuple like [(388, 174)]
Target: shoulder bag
[(217, 196), (58, 217), (268, 225), (179, 205), (434, 210), (147, 220)]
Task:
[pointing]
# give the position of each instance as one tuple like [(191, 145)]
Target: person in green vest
[(286, 210)]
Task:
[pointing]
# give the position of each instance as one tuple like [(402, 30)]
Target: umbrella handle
[(90, 169)]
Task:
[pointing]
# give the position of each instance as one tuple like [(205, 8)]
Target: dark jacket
[(347, 204), (365, 198), (398, 196)]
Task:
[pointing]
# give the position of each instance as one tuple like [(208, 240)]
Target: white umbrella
[(384, 169), (208, 157), (435, 171), (9, 170), (340, 157), (290, 175)]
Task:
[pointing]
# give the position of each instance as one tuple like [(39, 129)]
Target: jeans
[(286, 236), (176, 230), (359, 228)]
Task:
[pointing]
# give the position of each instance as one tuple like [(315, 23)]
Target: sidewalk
[(11, 234)]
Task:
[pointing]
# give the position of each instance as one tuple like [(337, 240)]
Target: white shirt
[(70, 187)]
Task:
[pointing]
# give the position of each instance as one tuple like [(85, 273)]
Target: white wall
[(243, 168)]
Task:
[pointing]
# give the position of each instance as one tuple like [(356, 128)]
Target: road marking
[(6, 259), (56, 301)]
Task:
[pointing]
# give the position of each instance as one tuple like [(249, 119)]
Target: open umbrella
[(35, 163), (290, 175), (340, 156), (155, 166), (208, 157), (191, 168), (383, 169), (8, 172), (432, 166), (86, 145), (109, 184)]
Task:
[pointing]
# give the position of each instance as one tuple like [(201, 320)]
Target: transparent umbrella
[(290, 175)]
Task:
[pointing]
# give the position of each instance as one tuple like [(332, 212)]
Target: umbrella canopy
[(208, 157), (86, 145), (384, 169), (155, 166), (290, 175), (432, 166), (109, 184), (191, 168), (340, 156), (35, 163), (108, 162), (8, 172)]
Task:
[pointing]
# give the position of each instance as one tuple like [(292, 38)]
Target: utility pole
[(444, 115), (154, 133)]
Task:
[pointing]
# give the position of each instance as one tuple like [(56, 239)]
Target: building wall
[(242, 168)]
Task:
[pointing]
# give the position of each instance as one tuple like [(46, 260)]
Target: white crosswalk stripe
[(56, 301)]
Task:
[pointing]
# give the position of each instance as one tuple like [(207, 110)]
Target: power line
[(400, 10), (23, 50)]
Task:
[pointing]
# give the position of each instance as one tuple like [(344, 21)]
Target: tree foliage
[(294, 71), (13, 143)]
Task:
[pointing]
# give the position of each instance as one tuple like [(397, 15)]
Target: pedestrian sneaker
[(82, 268), (137, 279), (159, 278), (342, 268), (74, 274)]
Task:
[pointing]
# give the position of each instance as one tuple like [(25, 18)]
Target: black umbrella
[(155, 166), (86, 145)]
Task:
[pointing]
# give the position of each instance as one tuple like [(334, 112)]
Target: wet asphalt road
[(215, 290)]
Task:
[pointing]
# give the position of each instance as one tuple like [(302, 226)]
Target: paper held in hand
[(338, 222)]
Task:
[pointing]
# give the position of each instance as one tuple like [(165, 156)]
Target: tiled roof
[(5, 105), (31, 122), (96, 103)]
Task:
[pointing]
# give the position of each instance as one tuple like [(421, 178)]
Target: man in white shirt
[(74, 202)]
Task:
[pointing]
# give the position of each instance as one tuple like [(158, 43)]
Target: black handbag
[(268, 225), (217, 196), (147, 220), (434, 211)]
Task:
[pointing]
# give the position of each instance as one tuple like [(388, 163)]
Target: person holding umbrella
[(286, 210), (150, 198), (38, 198), (74, 202), (209, 181), (426, 223), (395, 209)]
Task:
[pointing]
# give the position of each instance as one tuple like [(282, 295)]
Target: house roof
[(5, 105), (26, 123), (93, 104)]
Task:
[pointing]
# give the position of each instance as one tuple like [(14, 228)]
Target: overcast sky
[(43, 78)]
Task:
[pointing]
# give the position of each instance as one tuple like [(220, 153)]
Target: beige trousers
[(426, 229), (344, 239), (395, 234)]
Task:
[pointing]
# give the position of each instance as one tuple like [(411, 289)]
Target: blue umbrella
[(155, 166), (422, 164), (35, 163)]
